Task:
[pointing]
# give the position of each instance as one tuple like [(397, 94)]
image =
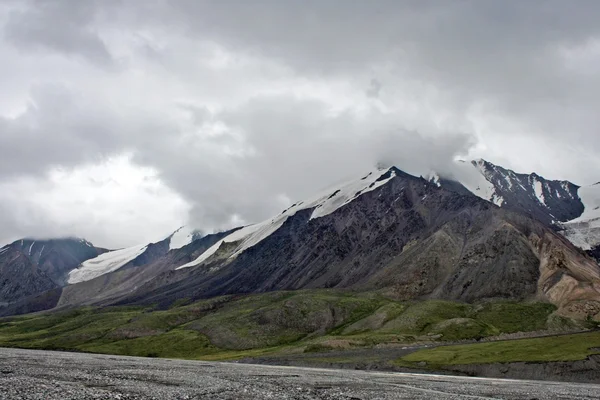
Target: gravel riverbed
[(45, 375)]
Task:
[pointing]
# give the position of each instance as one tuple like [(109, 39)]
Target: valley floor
[(34, 374)]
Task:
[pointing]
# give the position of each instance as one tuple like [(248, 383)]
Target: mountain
[(548, 201), (134, 256), (394, 233), (482, 232), (112, 286), (562, 205), (30, 266)]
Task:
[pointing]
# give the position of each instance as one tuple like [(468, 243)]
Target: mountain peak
[(382, 166), (183, 236)]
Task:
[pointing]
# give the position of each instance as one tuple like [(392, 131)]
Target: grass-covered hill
[(298, 322)]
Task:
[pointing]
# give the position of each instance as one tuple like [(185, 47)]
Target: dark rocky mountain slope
[(402, 236), (408, 238), (29, 266)]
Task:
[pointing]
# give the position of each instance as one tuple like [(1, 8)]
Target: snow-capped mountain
[(322, 205), (457, 235), (135, 255), (563, 205), (549, 201), (403, 235)]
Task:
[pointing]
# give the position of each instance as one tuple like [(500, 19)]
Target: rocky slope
[(29, 266), (33, 272), (109, 287), (408, 238), (562, 205)]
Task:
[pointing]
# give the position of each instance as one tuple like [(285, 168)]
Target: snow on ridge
[(181, 237), (475, 177), (590, 197), (88, 244), (324, 204), (104, 263), (538, 189), (434, 178)]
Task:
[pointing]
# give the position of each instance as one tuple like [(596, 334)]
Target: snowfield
[(181, 237), (474, 177), (584, 232), (104, 263)]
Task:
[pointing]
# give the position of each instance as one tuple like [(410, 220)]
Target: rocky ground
[(27, 374)]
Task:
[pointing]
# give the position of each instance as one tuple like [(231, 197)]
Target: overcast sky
[(122, 120)]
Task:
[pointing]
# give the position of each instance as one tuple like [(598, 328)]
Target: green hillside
[(272, 323)]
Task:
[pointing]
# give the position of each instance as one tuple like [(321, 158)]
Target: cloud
[(240, 108), (58, 127), (61, 26), (374, 88), (112, 202), (273, 150)]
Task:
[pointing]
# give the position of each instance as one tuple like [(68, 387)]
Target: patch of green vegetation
[(512, 316), (460, 329), (66, 331), (419, 317), (177, 343), (276, 319), (375, 320), (554, 348), (231, 327)]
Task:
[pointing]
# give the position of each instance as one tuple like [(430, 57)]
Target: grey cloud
[(292, 149), (453, 72), (58, 127), (502, 57), (374, 88), (505, 59), (62, 26)]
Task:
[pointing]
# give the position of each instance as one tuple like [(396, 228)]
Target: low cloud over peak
[(236, 117)]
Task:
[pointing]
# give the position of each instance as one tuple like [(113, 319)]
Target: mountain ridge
[(389, 231)]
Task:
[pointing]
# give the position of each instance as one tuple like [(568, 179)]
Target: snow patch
[(585, 235), (478, 181), (324, 204), (88, 244), (31, 247), (590, 197), (508, 181), (434, 178), (584, 231), (104, 263), (181, 237), (538, 188), (498, 200)]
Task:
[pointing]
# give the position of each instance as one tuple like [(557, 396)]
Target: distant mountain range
[(477, 232)]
